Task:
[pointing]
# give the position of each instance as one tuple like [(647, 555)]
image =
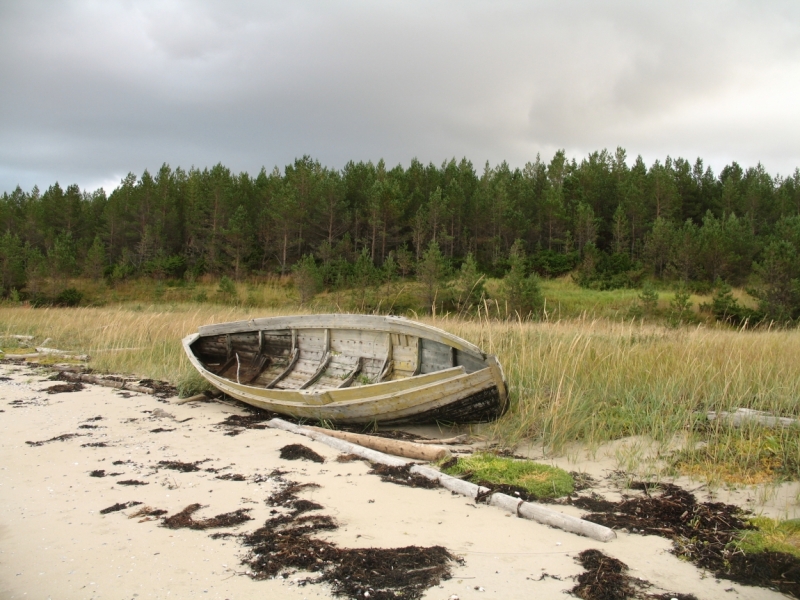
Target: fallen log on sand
[(389, 446), (527, 510), (120, 385)]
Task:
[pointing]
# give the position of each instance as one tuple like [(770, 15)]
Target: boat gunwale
[(385, 323)]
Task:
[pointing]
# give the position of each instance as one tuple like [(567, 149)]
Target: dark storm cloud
[(92, 90)]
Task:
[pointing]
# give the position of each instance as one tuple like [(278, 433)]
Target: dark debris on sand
[(183, 467), (160, 430), (402, 476), (286, 542), (162, 388), (236, 424), (346, 458), (95, 445), (607, 578), (184, 519), (701, 532), (61, 388), (58, 438), (102, 473), (132, 482), (231, 477), (117, 507), (300, 452), (147, 511)]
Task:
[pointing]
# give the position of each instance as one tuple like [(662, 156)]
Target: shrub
[(226, 290), (69, 297)]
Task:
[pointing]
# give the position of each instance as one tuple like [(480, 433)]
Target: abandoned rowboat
[(350, 369)]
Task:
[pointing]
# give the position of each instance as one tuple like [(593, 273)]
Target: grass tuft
[(543, 481), (770, 535)]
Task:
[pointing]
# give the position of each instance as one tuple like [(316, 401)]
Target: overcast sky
[(94, 89)]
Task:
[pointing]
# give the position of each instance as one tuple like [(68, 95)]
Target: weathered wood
[(64, 353), (353, 374), (318, 373), (322, 380), (459, 439), (743, 416), (547, 516), (121, 385), (202, 396), (388, 323), (389, 446), (341, 445)]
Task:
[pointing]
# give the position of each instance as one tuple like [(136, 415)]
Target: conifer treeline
[(612, 221)]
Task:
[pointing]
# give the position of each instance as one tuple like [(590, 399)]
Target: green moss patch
[(540, 481)]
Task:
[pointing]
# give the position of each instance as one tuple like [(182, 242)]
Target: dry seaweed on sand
[(300, 452), (160, 430), (286, 542), (61, 388), (183, 467), (346, 458), (231, 477), (236, 424), (58, 438), (607, 578), (102, 473), (147, 511), (161, 389), (132, 482), (402, 476), (702, 532), (288, 493), (118, 506), (95, 445), (184, 519)]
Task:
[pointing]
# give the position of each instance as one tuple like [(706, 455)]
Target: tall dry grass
[(140, 340), (597, 380), (577, 380)]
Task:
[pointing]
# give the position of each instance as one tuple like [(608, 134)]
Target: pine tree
[(470, 285), (307, 278), (431, 270), (95, 259), (522, 291)]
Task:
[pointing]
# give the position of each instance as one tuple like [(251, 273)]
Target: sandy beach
[(56, 543)]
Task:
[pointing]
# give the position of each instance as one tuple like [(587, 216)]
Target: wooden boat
[(350, 369)]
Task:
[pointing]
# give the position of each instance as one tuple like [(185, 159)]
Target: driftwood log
[(459, 439), (202, 396), (120, 385), (743, 416), (527, 510), (389, 446)]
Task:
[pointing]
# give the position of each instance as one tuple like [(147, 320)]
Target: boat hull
[(464, 386)]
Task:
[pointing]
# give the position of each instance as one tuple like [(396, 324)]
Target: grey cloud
[(93, 90)]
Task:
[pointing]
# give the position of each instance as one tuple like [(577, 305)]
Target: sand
[(55, 543)]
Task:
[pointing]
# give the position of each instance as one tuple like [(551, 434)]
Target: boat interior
[(323, 359)]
